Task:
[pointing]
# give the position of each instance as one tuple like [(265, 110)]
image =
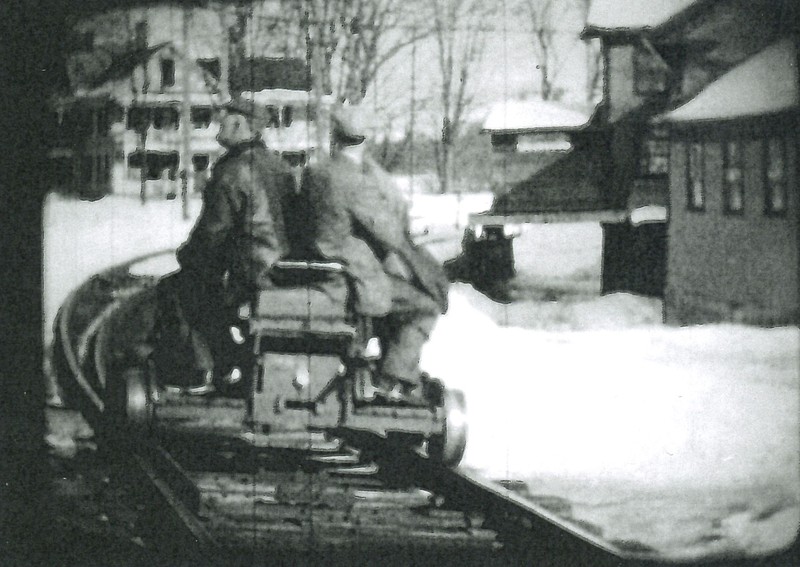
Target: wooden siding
[(723, 267)]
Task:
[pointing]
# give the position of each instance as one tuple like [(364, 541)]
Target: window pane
[(776, 176), (733, 177), (656, 160), (167, 73), (695, 177), (273, 117), (288, 116)]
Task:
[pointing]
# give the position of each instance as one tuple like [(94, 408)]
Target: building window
[(201, 117), (733, 177), (695, 178), (654, 153), (139, 118), (212, 72), (200, 162), (775, 176), (165, 117), (504, 142), (273, 117), (167, 73), (287, 116), (211, 66), (650, 72)]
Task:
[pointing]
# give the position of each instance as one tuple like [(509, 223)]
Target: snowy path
[(684, 439)]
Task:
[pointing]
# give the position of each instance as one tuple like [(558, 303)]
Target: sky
[(507, 70)]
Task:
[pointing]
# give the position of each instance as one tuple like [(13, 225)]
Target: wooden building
[(734, 233), (700, 102), (139, 113)]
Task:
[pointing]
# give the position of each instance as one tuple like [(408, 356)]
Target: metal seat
[(305, 309)]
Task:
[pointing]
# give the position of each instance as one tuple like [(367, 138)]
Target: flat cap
[(249, 108), (350, 124)]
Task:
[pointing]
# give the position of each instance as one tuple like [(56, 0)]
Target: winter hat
[(350, 124)]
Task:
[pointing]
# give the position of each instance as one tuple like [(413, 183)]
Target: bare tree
[(353, 39), (545, 23), (594, 59), (542, 18), (460, 43)]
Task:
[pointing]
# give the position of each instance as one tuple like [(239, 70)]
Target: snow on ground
[(682, 439), (637, 418), (82, 238)]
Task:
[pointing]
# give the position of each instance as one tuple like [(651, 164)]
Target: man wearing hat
[(358, 217), (239, 235)]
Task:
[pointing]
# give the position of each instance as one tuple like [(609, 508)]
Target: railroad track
[(217, 493)]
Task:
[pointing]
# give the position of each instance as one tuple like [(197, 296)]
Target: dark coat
[(241, 229), (357, 216)]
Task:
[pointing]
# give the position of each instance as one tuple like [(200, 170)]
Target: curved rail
[(73, 346), (513, 517)]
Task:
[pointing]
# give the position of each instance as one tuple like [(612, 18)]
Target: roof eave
[(711, 121), (671, 23), (592, 32), (543, 130)]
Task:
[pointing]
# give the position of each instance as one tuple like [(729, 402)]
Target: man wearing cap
[(359, 218), (239, 235)]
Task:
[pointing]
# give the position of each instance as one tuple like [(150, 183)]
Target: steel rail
[(515, 519), (73, 354)]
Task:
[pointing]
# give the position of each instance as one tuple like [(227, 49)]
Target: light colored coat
[(357, 216)]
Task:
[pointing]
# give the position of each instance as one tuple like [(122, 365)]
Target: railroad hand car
[(306, 367)]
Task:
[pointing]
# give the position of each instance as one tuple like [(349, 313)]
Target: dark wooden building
[(700, 107), (734, 233)]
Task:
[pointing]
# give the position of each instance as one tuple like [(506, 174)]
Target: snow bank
[(652, 404), (82, 238)]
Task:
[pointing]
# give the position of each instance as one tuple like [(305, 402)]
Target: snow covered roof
[(763, 84), (532, 116), (630, 15)]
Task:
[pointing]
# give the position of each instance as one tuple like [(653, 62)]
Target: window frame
[(273, 113), (201, 117), (287, 116), (769, 202), (167, 69), (727, 186), (659, 136), (690, 202)]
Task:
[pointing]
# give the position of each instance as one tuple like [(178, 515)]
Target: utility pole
[(185, 127), (316, 64)]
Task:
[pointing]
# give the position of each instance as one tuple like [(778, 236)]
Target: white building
[(141, 113)]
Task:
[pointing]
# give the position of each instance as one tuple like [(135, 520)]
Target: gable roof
[(544, 190), (765, 83), (609, 16), (261, 73), (110, 67), (520, 116)]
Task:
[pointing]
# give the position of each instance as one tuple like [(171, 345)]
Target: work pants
[(405, 330)]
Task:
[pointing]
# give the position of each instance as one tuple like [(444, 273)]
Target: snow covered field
[(684, 440)]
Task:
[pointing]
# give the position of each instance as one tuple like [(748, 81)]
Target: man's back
[(358, 216), (242, 228)]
